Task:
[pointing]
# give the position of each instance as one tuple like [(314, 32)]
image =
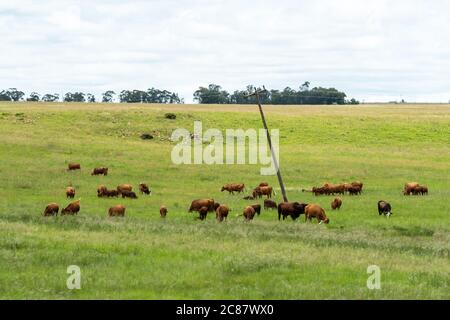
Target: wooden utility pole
[(274, 158)]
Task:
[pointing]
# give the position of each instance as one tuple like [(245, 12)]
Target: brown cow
[(234, 187), (124, 187), (354, 190), (334, 188), (99, 171), (263, 191), (163, 211), (144, 188), (420, 190), (357, 184), (257, 208), (269, 204), (263, 184), (249, 213), (111, 193), (51, 209), (222, 212), (128, 194), (199, 203), (117, 211), (101, 190), (409, 187), (216, 205), (74, 166), (203, 212), (315, 211), (70, 192), (72, 209), (336, 204), (293, 209)]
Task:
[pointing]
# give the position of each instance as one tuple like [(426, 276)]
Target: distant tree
[(50, 97), (90, 98), (352, 101), (213, 94), (4, 96), (74, 97), (108, 96), (34, 96), (15, 94)]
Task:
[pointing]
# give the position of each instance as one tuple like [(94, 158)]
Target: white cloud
[(373, 50)]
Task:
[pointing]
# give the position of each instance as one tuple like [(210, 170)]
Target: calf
[(74, 166), (70, 192), (99, 171), (269, 204), (117, 211), (384, 208), (144, 188), (336, 204), (203, 212), (163, 211), (51, 209), (128, 194), (249, 213), (222, 213)]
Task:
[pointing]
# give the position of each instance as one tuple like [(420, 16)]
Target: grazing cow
[(409, 187), (203, 212), (384, 208), (99, 171), (222, 212), (163, 211), (144, 188), (70, 192), (199, 203), (420, 190), (72, 209), (334, 188), (357, 184), (111, 193), (117, 211), (51, 209), (315, 211), (354, 191), (234, 187), (128, 194), (270, 204), (249, 213), (293, 209), (336, 204), (101, 190), (74, 166), (317, 191), (263, 191), (124, 187), (257, 208)]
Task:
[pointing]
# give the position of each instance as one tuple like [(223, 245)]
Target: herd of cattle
[(204, 206)]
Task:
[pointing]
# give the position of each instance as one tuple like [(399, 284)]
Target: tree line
[(212, 94), (126, 96)]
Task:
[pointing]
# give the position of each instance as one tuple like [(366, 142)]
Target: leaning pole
[(275, 161)]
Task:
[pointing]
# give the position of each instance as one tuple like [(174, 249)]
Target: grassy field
[(145, 257)]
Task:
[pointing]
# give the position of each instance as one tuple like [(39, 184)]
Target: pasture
[(143, 256)]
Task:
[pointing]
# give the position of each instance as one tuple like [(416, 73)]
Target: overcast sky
[(374, 50)]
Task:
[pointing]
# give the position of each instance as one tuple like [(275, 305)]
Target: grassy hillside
[(143, 256)]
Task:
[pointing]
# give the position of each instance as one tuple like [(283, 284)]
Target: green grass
[(144, 257)]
